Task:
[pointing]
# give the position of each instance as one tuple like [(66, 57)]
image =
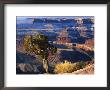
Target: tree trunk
[(45, 65)]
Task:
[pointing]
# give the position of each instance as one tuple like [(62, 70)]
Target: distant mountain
[(51, 20)]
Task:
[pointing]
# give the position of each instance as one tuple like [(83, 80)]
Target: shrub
[(80, 65), (68, 67)]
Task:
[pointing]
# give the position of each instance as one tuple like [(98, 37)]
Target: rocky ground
[(89, 69), (28, 64)]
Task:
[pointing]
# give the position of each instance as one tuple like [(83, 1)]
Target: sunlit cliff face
[(80, 21)]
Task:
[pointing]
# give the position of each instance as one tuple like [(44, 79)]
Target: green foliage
[(80, 64), (38, 44)]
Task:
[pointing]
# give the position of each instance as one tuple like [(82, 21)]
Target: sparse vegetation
[(38, 44), (55, 45), (80, 65), (68, 67)]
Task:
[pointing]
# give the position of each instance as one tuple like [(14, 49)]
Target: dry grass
[(68, 67)]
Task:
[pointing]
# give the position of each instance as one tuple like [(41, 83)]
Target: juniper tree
[(39, 45)]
